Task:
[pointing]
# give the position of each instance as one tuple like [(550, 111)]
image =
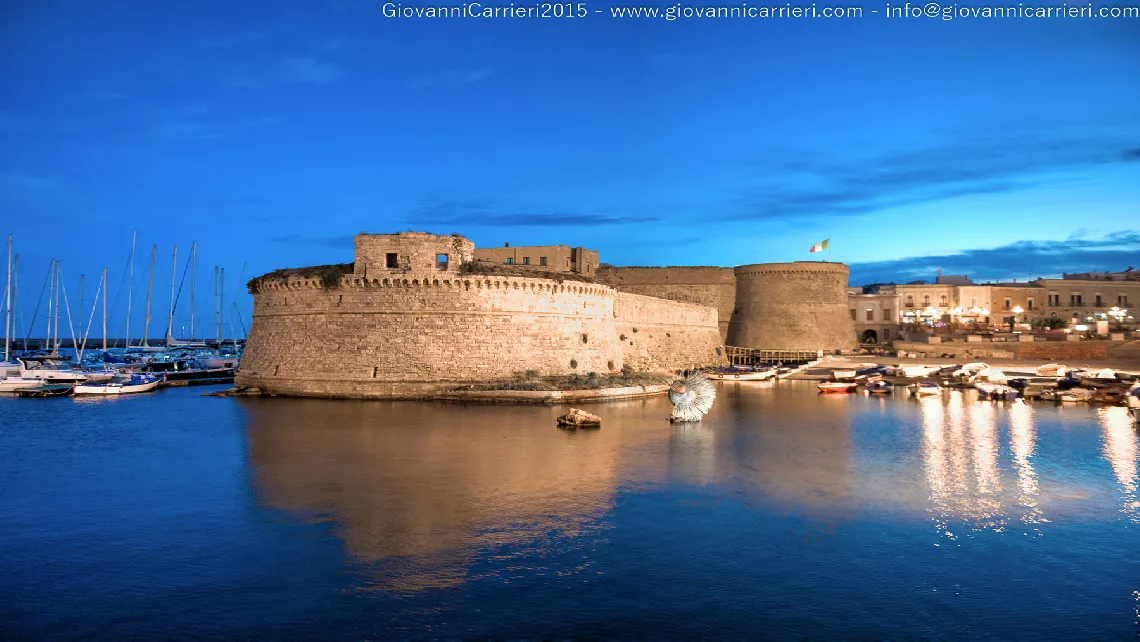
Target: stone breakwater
[(409, 335)]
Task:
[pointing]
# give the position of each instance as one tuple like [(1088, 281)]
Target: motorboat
[(988, 390), (916, 372), (50, 370), (47, 390), (837, 386), (880, 387), (13, 384), (189, 372), (924, 389), (120, 385)]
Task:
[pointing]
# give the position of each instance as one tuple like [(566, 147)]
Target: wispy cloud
[(1021, 260), (488, 213), (996, 163), (452, 78), (296, 70)]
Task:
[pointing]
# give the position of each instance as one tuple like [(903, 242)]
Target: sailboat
[(192, 266), (11, 381)]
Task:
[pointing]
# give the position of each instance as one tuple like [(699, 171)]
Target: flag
[(819, 247)]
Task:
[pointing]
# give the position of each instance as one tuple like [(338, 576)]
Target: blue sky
[(273, 132)]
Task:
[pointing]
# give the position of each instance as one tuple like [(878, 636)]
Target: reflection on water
[(1021, 437), (417, 490), (421, 487), (1120, 449), (960, 452), (162, 514)]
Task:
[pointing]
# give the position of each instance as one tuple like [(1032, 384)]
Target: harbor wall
[(660, 335), (792, 306), (708, 286), (413, 337)]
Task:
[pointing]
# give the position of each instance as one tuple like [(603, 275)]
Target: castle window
[(526, 260), (1008, 302), (943, 300), (909, 301), (393, 260), (1098, 303), (852, 314), (441, 261), (886, 315), (542, 260), (510, 260), (870, 314), (1029, 303), (926, 300)]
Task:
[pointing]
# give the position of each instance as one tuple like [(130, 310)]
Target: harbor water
[(785, 513)]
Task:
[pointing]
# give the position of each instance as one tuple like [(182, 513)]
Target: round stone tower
[(792, 306)]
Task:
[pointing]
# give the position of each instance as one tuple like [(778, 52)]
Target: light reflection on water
[(783, 512)]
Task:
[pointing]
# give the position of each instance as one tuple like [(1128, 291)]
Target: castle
[(416, 313)]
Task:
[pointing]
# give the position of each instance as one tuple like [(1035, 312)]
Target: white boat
[(837, 386), (12, 384), (925, 389), (118, 386), (988, 390), (50, 369), (917, 372), (1051, 370)]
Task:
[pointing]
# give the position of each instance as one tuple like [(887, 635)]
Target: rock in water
[(580, 419), (692, 396)]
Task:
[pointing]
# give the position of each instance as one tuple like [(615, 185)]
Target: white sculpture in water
[(692, 396)]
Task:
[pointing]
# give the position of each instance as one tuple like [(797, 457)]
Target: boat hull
[(115, 388)]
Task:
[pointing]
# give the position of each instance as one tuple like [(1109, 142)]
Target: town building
[(543, 258), (874, 311)]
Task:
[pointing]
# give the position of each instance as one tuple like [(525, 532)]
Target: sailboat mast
[(15, 291), (130, 290), (81, 288), (104, 288), (217, 330), (193, 282), (221, 306), (173, 275), (8, 301), (58, 287), (149, 288)]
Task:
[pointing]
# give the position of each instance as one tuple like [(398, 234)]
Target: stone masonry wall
[(388, 337), (708, 286), (660, 335), (416, 252), (792, 306)]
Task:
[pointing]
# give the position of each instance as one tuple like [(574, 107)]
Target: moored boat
[(50, 369), (837, 386), (923, 389), (880, 387), (987, 390), (119, 385), (47, 390), (13, 384)]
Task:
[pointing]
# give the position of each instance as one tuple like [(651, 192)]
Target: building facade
[(875, 315), (543, 258)]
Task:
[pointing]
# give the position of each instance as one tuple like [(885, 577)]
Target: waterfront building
[(874, 311)]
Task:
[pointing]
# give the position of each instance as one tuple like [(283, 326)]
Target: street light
[(1016, 311)]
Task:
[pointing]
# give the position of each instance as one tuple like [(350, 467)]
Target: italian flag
[(819, 247)]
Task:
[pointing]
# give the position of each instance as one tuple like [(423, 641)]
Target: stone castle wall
[(656, 334), (792, 306), (411, 337), (709, 286)]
